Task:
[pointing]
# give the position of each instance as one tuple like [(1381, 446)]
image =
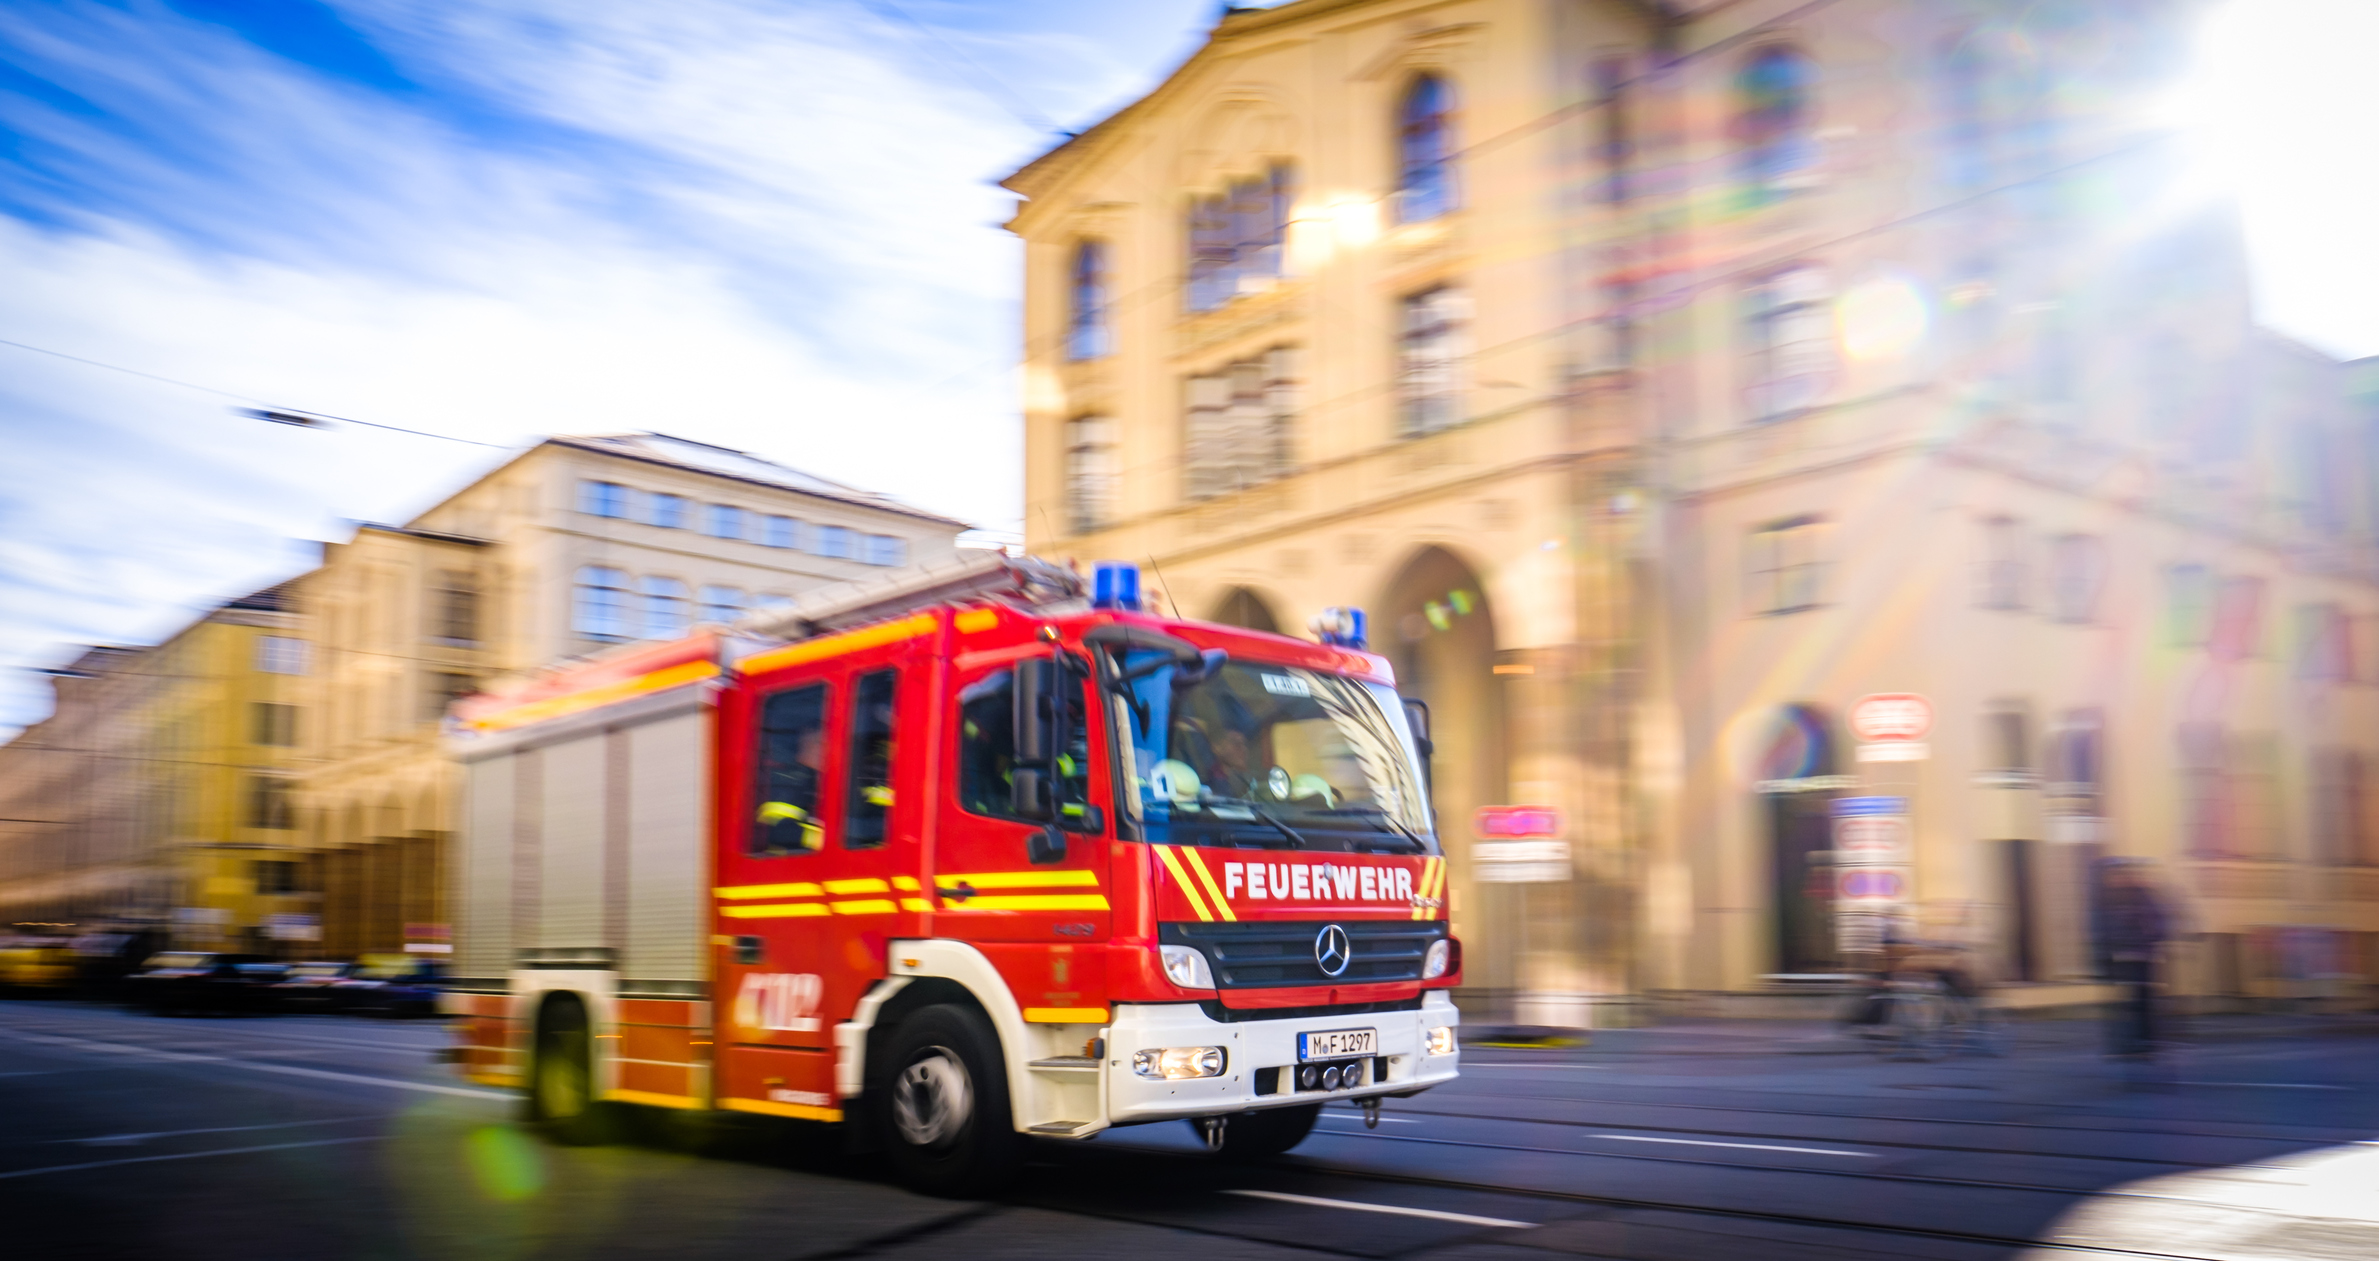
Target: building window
[(445, 688), (2006, 565), (603, 499), (722, 604), (780, 532), (2341, 826), (1775, 123), (1425, 150), (1966, 114), (279, 654), (1087, 335), (268, 802), (601, 606), (665, 608), (771, 600), (834, 541), (456, 602), (272, 725), (885, 549), (2007, 738), (725, 521), (2188, 605), (2238, 619), (1090, 473), (1237, 237), (1432, 360), (276, 876), (1788, 335), (1783, 568), (2324, 644), (2077, 573), (1239, 424), (666, 511)]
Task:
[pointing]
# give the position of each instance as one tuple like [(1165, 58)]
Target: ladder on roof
[(1027, 581)]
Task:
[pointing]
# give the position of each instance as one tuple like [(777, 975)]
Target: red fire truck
[(972, 857)]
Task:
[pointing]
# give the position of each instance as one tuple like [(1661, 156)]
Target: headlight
[(1186, 967), (1175, 1062), (1440, 956), (1441, 1040)]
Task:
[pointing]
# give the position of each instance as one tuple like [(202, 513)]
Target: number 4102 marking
[(786, 1001)]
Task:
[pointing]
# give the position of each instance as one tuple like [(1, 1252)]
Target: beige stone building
[(1665, 378), (577, 543)]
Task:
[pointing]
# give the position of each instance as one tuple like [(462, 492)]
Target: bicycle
[(1927, 1010)]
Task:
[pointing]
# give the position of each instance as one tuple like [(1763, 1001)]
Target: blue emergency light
[(1115, 584), (1342, 626)]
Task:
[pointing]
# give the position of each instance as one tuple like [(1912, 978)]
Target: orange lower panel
[(657, 1079), (777, 1081)]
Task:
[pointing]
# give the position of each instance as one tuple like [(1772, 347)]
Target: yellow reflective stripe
[(1222, 905), (907, 884), (865, 906), (1030, 902), (593, 697), (1066, 1015), (1061, 878), (977, 620), (784, 910), (1180, 877), (768, 891), (834, 645), (869, 885), (915, 904), (655, 1100), (802, 1111)]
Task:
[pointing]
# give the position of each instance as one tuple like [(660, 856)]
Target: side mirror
[(1047, 845), (1416, 716), (1036, 687), (1028, 793), (1088, 820)]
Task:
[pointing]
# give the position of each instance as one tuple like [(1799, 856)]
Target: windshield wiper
[(1295, 837), (1419, 846)]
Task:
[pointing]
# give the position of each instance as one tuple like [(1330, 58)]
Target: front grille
[(1220, 1014), (1274, 955)]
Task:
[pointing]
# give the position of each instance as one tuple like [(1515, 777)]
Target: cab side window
[(869, 802), (790, 770), (987, 747)]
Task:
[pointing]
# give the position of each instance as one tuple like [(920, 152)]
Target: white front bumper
[(1256, 1047)]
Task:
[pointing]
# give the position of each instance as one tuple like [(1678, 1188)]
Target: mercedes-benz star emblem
[(1332, 951)]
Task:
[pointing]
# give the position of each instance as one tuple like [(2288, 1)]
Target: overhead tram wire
[(259, 411)]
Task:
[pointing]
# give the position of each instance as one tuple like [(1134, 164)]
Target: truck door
[(816, 868), (988, 885)]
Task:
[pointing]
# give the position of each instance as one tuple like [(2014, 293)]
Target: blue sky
[(765, 225)]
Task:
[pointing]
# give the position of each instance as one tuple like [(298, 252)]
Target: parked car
[(181, 981), (35, 965), (312, 987), (392, 985)]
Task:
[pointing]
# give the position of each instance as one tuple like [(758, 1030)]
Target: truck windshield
[(1269, 756)]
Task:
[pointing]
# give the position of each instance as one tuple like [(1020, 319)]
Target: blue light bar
[(1115, 584), (1342, 626)]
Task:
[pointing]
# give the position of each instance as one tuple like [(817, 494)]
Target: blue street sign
[(1853, 807)]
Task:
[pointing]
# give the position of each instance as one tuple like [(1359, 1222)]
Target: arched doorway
[(1244, 608), (1435, 626), (1796, 780)]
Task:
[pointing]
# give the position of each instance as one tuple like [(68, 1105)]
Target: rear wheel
[(941, 1107), (562, 1079), (1256, 1135)]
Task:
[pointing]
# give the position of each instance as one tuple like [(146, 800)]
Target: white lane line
[(2264, 1085), (291, 1070), (1398, 1210), (1752, 1147), (1583, 1068), (126, 1140), (142, 1160), (1345, 1116)]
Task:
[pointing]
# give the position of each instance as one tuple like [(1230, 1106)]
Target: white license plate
[(1337, 1044)]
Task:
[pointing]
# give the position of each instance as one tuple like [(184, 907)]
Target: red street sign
[(1891, 716), (1515, 823), (1871, 884)]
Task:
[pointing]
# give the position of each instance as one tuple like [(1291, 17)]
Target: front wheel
[(942, 1106), (1256, 1135)]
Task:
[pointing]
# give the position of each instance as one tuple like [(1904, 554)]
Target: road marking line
[(1343, 1116), (142, 1160), (1755, 1147), (1584, 1068), (291, 1070), (1468, 1219), (125, 1140), (2264, 1085)]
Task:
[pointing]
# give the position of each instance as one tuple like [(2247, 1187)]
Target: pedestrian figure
[(2131, 926)]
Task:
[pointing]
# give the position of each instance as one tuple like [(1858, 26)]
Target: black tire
[(1257, 1135), (562, 1080), (940, 1105)]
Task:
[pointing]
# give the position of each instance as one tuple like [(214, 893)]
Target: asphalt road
[(126, 1135)]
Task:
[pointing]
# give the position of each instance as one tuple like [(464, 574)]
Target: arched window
[(1087, 336), (1775, 122), (1238, 237), (664, 608), (1090, 473), (1425, 151), (601, 605)]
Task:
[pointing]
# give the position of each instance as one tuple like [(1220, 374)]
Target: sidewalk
[(1757, 1037)]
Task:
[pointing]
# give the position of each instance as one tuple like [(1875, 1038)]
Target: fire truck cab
[(962, 861)]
